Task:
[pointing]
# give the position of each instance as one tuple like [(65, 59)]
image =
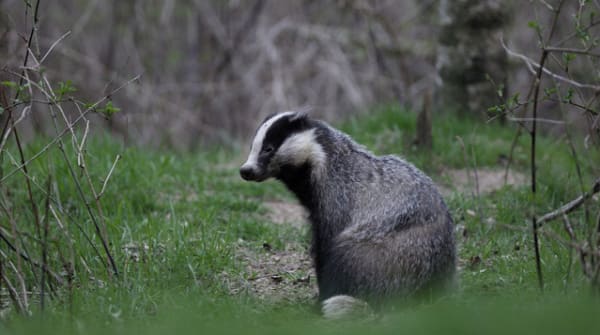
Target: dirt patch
[(281, 276), (286, 213), (487, 180)]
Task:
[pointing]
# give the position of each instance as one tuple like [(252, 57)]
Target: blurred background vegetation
[(210, 69), (124, 124)]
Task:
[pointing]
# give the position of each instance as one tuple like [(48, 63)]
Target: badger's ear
[(298, 116), (299, 121), (301, 116)]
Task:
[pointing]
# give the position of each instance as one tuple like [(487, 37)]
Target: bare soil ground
[(281, 212), (479, 181), (282, 276)]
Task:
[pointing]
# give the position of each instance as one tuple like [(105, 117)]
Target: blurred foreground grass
[(479, 316)]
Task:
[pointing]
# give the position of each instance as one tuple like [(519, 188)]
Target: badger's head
[(283, 142)]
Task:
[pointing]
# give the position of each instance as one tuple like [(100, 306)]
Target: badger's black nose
[(247, 172)]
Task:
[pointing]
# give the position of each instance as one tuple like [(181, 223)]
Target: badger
[(380, 229)]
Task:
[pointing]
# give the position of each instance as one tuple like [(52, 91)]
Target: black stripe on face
[(282, 129), (267, 118)]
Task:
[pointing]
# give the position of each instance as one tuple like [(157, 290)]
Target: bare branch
[(108, 177), (549, 6), (66, 129), (586, 52), (54, 45), (528, 119), (570, 206), (531, 64)]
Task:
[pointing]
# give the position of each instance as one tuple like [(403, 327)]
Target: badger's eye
[(268, 149)]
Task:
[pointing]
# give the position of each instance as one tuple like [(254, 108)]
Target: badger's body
[(380, 228)]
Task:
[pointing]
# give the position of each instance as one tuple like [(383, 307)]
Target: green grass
[(188, 214)]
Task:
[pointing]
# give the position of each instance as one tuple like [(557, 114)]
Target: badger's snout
[(251, 173), (247, 172)]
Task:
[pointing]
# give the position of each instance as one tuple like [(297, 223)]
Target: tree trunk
[(471, 63), (424, 125)]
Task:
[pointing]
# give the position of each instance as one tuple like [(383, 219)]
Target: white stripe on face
[(301, 148), (260, 137)]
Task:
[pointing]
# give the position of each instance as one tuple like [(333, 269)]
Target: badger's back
[(385, 231)]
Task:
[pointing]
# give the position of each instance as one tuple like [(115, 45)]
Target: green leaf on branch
[(569, 96), (64, 88), (500, 91), (498, 109), (548, 92), (513, 101), (533, 25), (582, 33), (9, 84), (89, 106), (109, 109), (568, 58)]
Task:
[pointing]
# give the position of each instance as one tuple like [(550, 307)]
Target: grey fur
[(380, 228)]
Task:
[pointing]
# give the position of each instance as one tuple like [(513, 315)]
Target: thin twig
[(67, 129), (29, 41), (84, 199), (580, 106), (567, 243), (22, 302), (12, 291), (569, 227), (55, 201), (98, 222), (80, 159), (596, 278), (108, 177), (26, 258), (531, 64), (13, 123), (578, 169), (511, 153), (476, 196), (538, 263), (549, 6), (54, 45), (586, 51), (16, 235), (32, 202), (571, 232), (570, 206), (527, 119), (579, 31), (533, 135), (45, 246)]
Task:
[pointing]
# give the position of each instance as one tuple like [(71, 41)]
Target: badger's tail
[(341, 307)]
